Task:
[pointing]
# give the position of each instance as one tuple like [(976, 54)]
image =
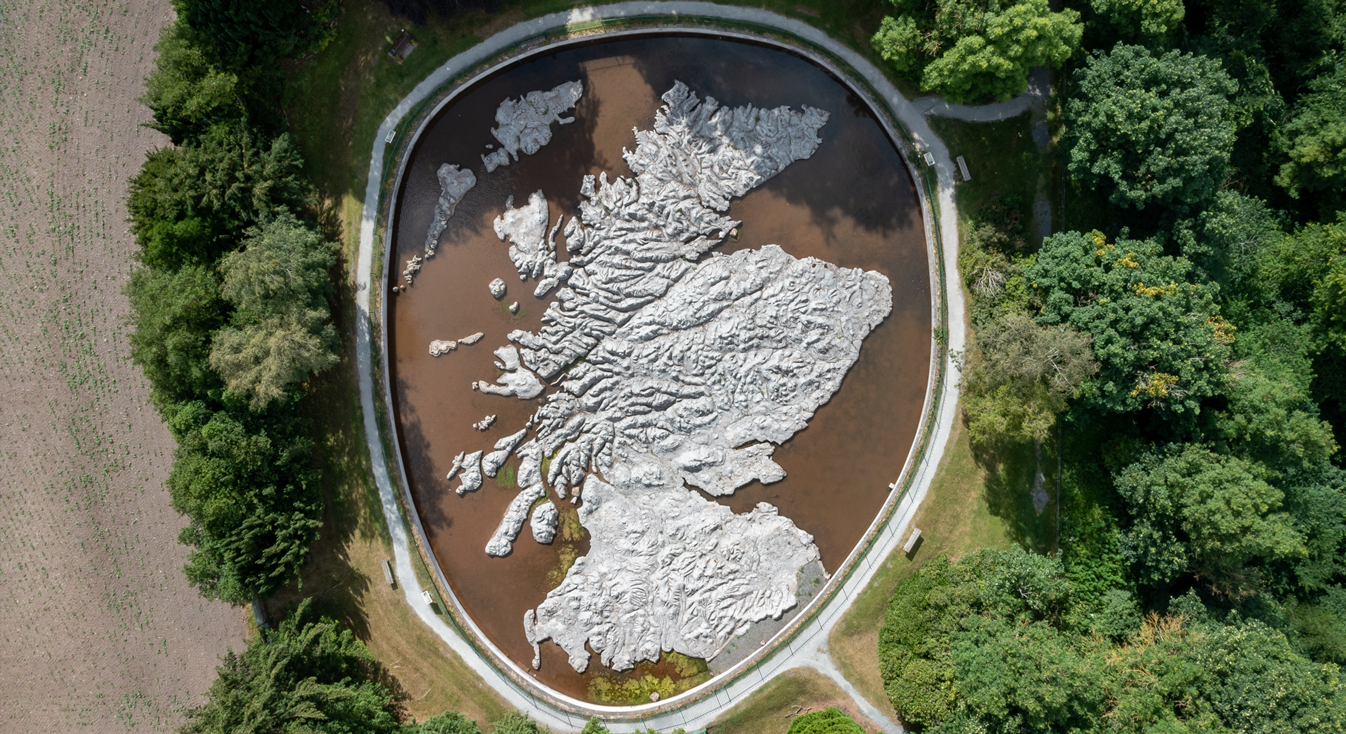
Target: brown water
[(852, 204)]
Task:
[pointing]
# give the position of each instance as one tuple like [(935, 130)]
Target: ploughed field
[(731, 374), (98, 626)]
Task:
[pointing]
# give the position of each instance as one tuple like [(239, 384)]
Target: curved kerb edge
[(809, 629)]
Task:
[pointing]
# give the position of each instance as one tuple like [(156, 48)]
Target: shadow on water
[(851, 204)]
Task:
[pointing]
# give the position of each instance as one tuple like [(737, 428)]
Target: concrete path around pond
[(809, 648)]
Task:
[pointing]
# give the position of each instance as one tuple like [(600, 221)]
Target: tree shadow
[(1010, 468)]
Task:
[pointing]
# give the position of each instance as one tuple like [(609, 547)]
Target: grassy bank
[(770, 708)]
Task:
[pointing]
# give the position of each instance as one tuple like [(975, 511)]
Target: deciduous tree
[(1151, 129), (1158, 337)]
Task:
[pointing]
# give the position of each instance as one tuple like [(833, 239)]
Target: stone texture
[(453, 185), (525, 123), (516, 380), (674, 369), (471, 474), (543, 522), (439, 347), (497, 288), (501, 543), (484, 423), (491, 463)]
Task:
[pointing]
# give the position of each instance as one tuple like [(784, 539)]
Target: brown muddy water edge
[(852, 204)]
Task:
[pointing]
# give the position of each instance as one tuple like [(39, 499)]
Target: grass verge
[(770, 708)]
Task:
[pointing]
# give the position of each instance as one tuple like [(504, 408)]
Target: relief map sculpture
[(668, 368)]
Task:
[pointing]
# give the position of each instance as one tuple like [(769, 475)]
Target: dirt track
[(99, 630)]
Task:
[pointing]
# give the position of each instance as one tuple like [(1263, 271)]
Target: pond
[(851, 204)]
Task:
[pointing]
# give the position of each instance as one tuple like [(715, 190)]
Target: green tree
[(449, 722), (175, 314), (279, 336), (250, 493), (188, 205), (1307, 269), (240, 34), (1022, 376), (994, 62), (186, 94), (1312, 143), (1218, 511), (1159, 338), (514, 722), (307, 675), (971, 50), (827, 721), (1137, 20), (929, 610), (1013, 676), (1151, 130), (1253, 681)]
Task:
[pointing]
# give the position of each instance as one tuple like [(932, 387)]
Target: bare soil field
[(99, 629)]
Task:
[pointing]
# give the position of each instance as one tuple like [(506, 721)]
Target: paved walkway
[(809, 648)]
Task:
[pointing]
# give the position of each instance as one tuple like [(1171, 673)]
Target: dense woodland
[(1181, 348)]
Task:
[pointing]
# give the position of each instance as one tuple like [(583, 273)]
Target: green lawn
[(770, 708)]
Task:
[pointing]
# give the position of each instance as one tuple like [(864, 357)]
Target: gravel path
[(809, 648)]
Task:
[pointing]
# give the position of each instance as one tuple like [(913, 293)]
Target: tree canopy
[(975, 50), (307, 675), (999, 642), (1159, 338), (278, 284), (1151, 129), (1025, 373), (827, 721), (1216, 512), (1312, 143)]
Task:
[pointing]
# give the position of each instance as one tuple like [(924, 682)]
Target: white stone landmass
[(671, 369), (525, 228), (502, 541), (544, 521), (497, 288), (515, 381), (668, 570), (468, 341), (453, 185), (470, 474), (525, 123), (440, 347)]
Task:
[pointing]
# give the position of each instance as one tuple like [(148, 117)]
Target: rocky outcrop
[(471, 474), (502, 541), (468, 341), (491, 463), (516, 380), (485, 423), (453, 185), (525, 124), (440, 347), (543, 523), (497, 288)]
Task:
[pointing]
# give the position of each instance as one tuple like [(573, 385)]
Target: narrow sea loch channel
[(708, 362)]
